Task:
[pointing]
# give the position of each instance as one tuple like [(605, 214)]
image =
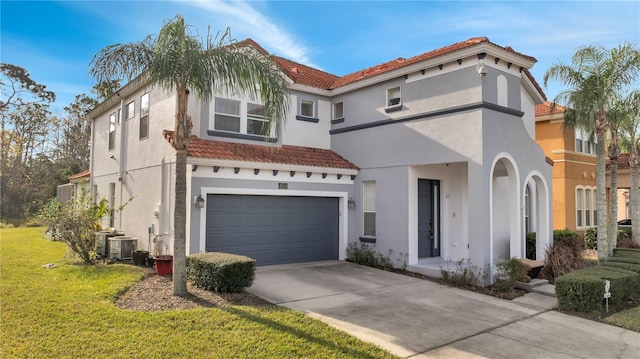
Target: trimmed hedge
[(624, 259), (626, 252), (220, 272), (628, 266), (583, 290)]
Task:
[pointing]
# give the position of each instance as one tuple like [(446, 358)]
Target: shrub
[(626, 252), (220, 272), (75, 223), (559, 261), (531, 245), (628, 266), (365, 254), (591, 238), (625, 259), (583, 290), (627, 243), (465, 274), (568, 238), (509, 270)]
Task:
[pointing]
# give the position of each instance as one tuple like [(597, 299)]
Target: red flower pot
[(164, 265)]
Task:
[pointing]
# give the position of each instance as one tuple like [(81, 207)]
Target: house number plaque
[(283, 185)]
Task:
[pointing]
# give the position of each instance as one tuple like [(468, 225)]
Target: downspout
[(121, 156)]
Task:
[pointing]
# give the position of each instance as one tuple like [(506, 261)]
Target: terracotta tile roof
[(313, 77), (288, 155), (401, 62), (82, 174), (623, 162), (306, 75), (535, 83), (545, 109)]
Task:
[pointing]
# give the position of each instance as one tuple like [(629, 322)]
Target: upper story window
[(338, 111), (307, 108), (144, 116), (584, 142), (240, 117), (112, 131), (393, 96), (131, 110)]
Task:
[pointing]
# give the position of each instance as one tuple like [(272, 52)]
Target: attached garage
[(273, 229)]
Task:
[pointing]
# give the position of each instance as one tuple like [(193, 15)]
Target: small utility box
[(122, 247)]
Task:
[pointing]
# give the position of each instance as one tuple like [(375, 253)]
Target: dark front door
[(428, 218)]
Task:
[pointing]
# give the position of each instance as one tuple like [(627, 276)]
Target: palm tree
[(595, 77), (176, 60), (631, 140)]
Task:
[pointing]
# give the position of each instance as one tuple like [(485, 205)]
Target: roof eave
[(199, 161)]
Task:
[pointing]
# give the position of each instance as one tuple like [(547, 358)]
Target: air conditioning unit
[(101, 243), (121, 247)]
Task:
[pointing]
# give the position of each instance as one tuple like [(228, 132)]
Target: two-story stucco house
[(432, 158)]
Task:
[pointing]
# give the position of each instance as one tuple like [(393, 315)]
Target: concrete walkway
[(417, 318)]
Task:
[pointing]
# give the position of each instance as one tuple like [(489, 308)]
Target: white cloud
[(257, 26)]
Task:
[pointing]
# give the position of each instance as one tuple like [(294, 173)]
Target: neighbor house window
[(338, 111), (306, 108), (256, 123), (393, 96), (369, 207), (144, 116), (131, 109), (586, 214), (112, 131), (584, 142)]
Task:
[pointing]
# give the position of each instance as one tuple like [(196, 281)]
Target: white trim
[(268, 166), (343, 209), (267, 175), (514, 222)]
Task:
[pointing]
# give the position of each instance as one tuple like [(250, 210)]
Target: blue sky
[(55, 40)]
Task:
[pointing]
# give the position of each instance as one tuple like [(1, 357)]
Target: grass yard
[(68, 312), (629, 319)]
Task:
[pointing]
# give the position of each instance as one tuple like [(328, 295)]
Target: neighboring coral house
[(432, 158), (574, 170)]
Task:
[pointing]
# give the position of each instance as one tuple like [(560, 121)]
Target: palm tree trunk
[(612, 232), (601, 195), (182, 131), (180, 223), (634, 194)]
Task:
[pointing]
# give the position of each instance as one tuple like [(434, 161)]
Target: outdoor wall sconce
[(200, 201), (351, 203)]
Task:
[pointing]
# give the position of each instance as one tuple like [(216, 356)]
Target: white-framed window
[(240, 116), (369, 207), (144, 116), (586, 214), (338, 110), (112, 131), (131, 109), (585, 142), (307, 108), (394, 97)]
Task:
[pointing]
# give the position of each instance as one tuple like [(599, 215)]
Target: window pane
[(579, 206), (131, 109), (255, 111), (144, 104), (112, 131), (226, 106), (369, 196), (337, 110), (370, 224), (587, 207), (578, 145), (144, 127), (393, 96), (227, 123), (306, 108), (257, 127)]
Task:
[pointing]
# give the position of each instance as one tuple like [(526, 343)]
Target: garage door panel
[(273, 229)]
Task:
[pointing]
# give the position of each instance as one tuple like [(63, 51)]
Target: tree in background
[(630, 110), (24, 126), (176, 60), (595, 78)]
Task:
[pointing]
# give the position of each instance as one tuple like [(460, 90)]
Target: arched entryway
[(505, 233), (536, 213)]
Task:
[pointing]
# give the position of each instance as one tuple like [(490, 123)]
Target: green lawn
[(629, 319), (68, 312)]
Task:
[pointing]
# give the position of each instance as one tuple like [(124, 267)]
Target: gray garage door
[(273, 229)]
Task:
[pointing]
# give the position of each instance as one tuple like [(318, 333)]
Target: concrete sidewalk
[(418, 318)]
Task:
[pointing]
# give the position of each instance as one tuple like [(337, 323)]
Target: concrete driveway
[(421, 319)]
